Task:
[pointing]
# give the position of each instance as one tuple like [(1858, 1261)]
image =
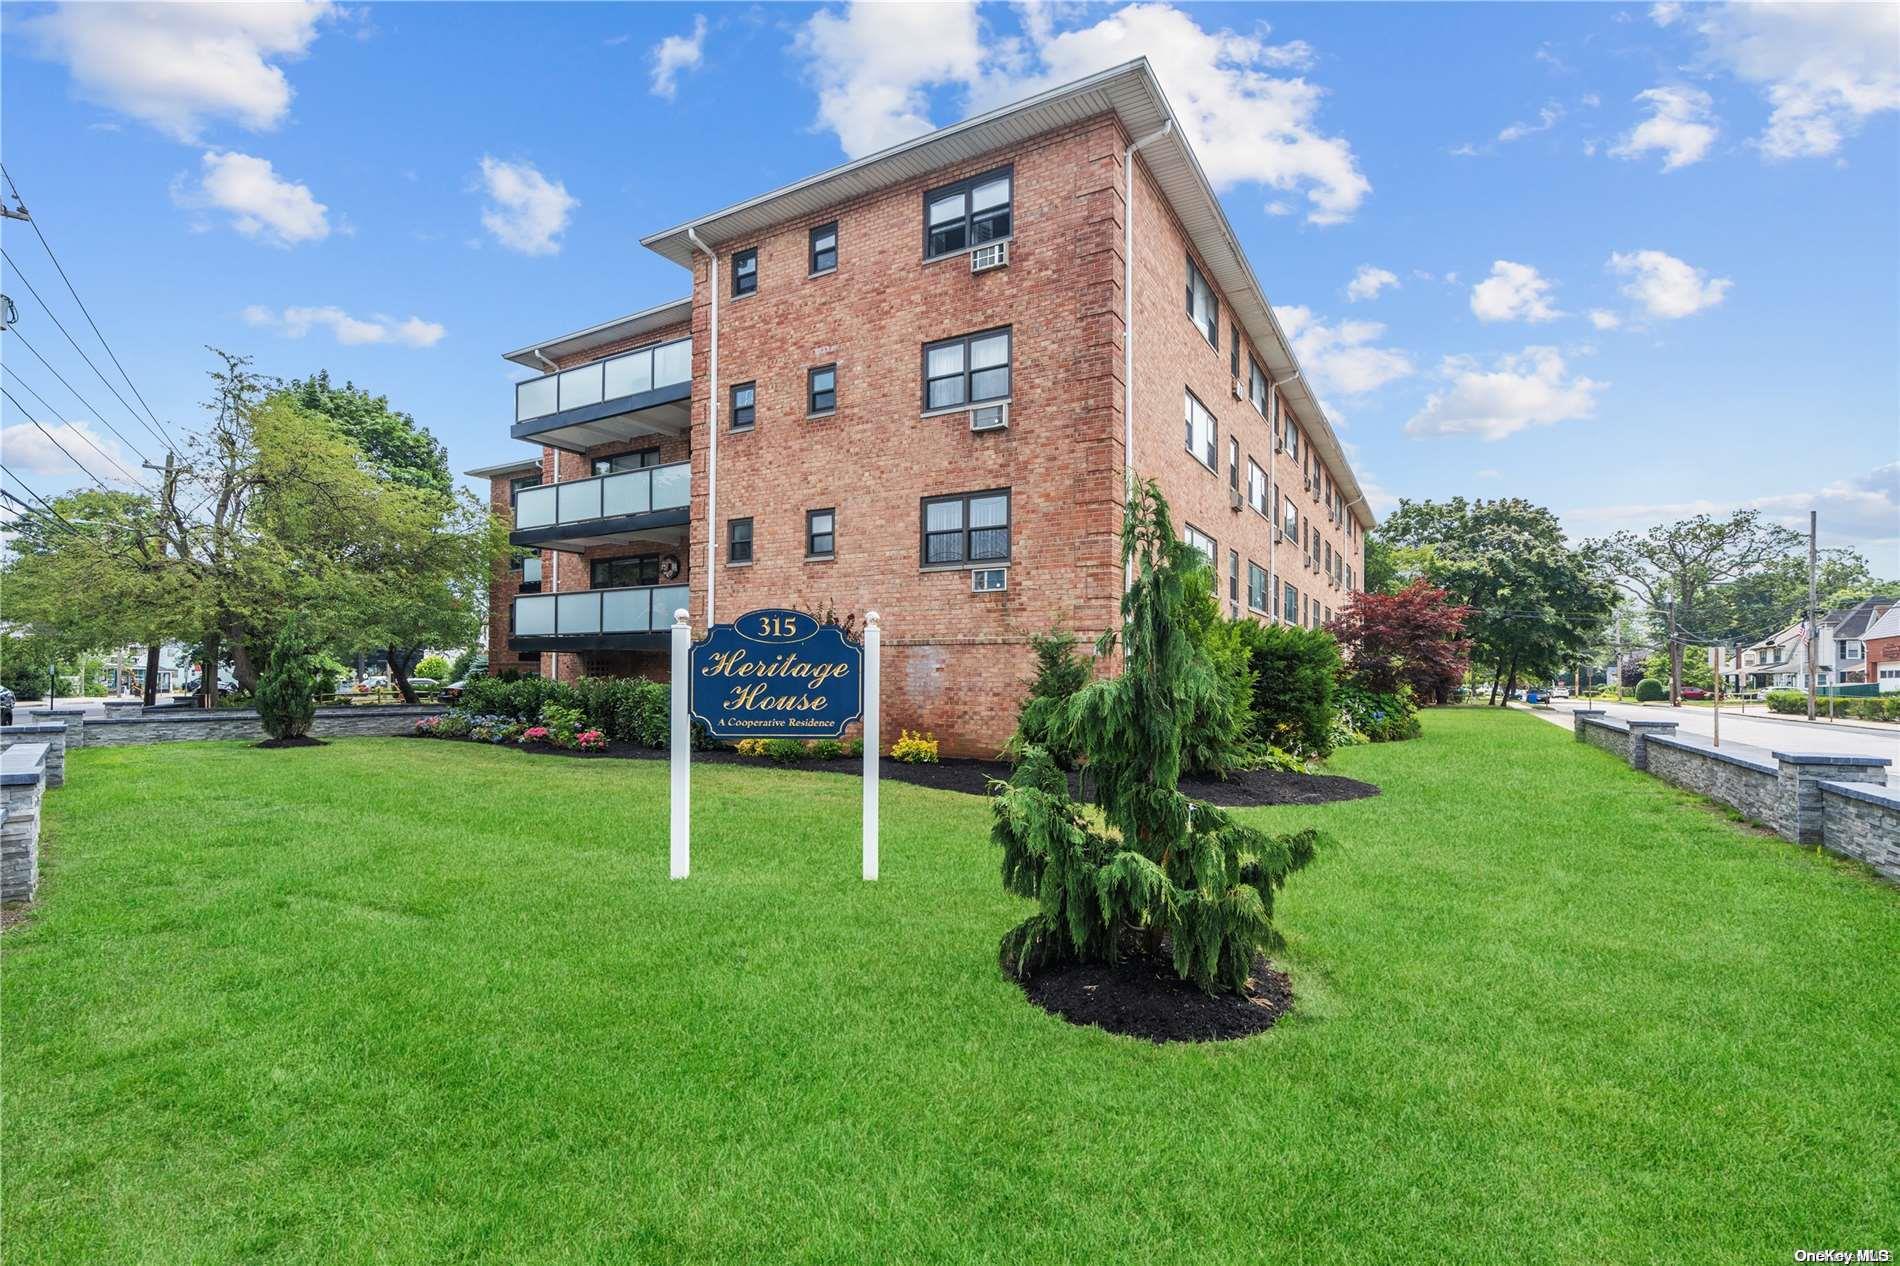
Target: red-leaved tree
[(1415, 637)]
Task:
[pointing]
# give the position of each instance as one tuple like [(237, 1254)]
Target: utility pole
[(1814, 630), (1675, 673), (168, 491), (1715, 661)]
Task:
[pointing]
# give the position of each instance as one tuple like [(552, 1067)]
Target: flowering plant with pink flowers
[(535, 734), (591, 741)]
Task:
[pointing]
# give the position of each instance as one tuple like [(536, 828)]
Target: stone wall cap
[(1608, 723), (22, 764), (1829, 758), (202, 715), (1634, 722), (1871, 792), (56, 712), (1713, 753), (35, 727)]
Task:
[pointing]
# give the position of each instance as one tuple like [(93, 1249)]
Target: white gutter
[(1128, 326), (712, 431), (547, 364)]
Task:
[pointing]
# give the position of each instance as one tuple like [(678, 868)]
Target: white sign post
[(873, 638), (682, 739)]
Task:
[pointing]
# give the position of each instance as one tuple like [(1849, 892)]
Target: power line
[(84, 403), (55, 441), (165, 437), (76, 430), (48, 515), (77, 348)]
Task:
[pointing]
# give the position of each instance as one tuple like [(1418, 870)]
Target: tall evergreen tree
[(1167, 868)]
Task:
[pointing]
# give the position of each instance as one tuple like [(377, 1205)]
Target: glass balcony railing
[(605, 496), (615, 378), (591, 612)]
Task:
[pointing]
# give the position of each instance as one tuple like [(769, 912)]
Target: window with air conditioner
[(969, 369), (968, 213), (963, 528)]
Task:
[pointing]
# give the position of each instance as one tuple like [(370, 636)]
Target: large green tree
[(1679, 569), (395, 446), (1535, 602)]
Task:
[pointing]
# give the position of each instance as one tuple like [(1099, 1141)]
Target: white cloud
[(261, 203), (1665, 13), (1513, 292), (1681, 126), (295, 322), (1489, 474), (1665, 286), (677, 53), (29, 451), (1604, 319), (526, 211), (1825, 68), (181, 66), (875, 67), (1368, 282), (1546, 119), (1529, 388), (1342, 358)]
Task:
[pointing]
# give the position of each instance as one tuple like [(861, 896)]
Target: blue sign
[(776, 674)]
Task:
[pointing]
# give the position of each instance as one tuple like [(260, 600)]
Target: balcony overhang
[(568, 642), (663, 411), (655, 527)]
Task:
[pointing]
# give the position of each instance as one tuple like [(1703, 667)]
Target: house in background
[(917, 384), (1882, 642), (1843, 638)]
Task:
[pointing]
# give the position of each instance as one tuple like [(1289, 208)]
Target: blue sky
[(1630, 261)]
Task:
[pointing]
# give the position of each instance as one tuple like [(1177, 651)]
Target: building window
[(1289, 518), (968, 213), (1200, 432), (745, 273), (615, 573), (1233, 349), (1256, 586), (1257, 489), (824, 248), (1202, 542), (745, 402), (971, 527), (966, 370), (530, 569), (821, 533), (1233, 463), (1293, 443), (821, 389), (1233, 575), (520, 482), (1202, 307), (738, 540), (639, 459), (1290, 604), (1256, 387)]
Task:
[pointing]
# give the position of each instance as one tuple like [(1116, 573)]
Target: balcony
[(637, 617), (629, 506), (624, 397)]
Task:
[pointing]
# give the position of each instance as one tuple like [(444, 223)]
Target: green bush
[(433, 667), (562, 723), (1870, 708), (785, 751), (826, 749), (854, 748), (521, 699), (287, 688), (627, 709), (1295, 682), (1789, 701), (1649, 690), (1380, 717), (1060, 672)]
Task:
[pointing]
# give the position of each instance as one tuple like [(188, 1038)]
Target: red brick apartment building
[(917, 384)]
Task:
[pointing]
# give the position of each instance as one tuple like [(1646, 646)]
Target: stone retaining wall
[(22, 785), (51, 733), (242, 723), (1745, 785), (1840, 802), (1863, 820)]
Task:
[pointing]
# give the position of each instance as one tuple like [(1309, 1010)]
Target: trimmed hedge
[(1649, 690), (625, 709)]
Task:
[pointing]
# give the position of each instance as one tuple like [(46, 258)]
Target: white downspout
[(1128, 325), (712, 431)]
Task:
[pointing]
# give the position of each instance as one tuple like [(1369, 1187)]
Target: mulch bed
[(302, 740), (972, 777), (1142, 997)]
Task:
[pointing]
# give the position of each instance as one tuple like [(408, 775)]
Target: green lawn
[(401, 1001)]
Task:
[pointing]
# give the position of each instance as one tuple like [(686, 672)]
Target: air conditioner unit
[(1237, 394), (990, 417), (1235, 499), (1279, 445), (994, 255), (989, 580)]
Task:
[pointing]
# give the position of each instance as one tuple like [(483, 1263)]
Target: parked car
[(196, 686), (1695, 692), (1560, 692), (423, 683), (452, 693)]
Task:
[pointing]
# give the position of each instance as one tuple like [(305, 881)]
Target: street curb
[(1891, 730)]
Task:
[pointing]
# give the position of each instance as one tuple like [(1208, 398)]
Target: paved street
[(1771, 734)]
